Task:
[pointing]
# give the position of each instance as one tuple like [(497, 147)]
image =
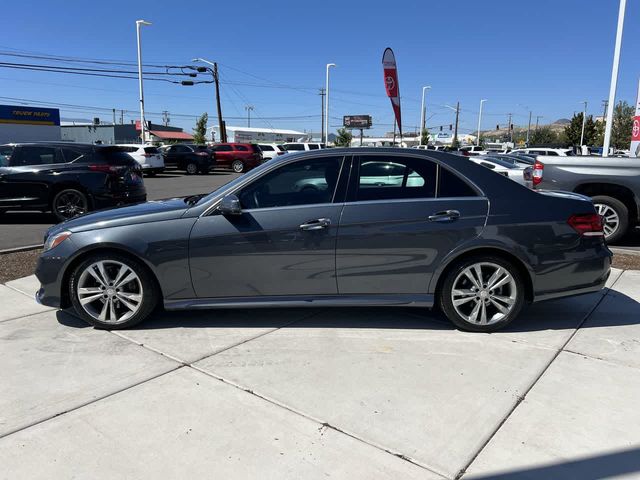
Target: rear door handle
[(446, 216), (317, 224)]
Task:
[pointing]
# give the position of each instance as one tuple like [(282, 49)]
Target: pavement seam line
[(316, 420), (522, 397), (601, 359), (27, 315), (90, 402), (31, 296)]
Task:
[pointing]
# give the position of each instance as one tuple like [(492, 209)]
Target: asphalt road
[(19, 229)]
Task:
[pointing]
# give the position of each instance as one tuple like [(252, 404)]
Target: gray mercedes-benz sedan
[(375, 227)]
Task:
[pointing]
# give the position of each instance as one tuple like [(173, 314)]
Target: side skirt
[(302, 301)]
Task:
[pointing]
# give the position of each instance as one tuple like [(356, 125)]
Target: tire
[(110, 309), (615, 217), (500, 307), (237, 166), (69, 203), (191, 168)]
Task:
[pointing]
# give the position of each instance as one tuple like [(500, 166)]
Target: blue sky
[(542, 55)]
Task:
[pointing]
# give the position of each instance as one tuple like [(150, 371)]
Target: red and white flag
[(635, 132), (391, 84)]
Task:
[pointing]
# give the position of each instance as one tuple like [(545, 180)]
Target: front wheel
[(191, 168), (482, 294), (237, 166), (111, 291), (69, 203)]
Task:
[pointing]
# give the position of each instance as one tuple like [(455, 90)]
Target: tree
[(200, 132), (343, 139), (573, 131), (424, 138), (543, 136), (622, 126)]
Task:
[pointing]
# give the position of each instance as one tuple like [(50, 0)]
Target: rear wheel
[(69, 203), (112, 291), (482, 294), (191, 168), (237, 166), (615, 217)]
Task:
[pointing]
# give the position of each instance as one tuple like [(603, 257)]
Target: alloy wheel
[(70, 203), (484, 293), (237, 166), (192, 168), (610, 219), (110, 291)]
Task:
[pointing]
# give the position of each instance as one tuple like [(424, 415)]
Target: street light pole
[(529, 127), (423, 112), (326, 106), (614, 79), (584, 118), (143, 125), (214, 72), (480, 120), (248, 108)]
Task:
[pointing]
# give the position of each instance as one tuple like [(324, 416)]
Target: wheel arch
[(65, 300), (488, 250), (69, 184), (619, 192)]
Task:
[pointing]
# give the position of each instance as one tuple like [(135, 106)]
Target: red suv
[(239, 157)]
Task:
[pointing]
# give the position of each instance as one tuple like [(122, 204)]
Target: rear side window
[(242, 148), (71, 155), (256, 148), (313, 146), (395, 177), (112, 156), (37, 156), (5, 155), (281, 148), (151, 150), (453, 186), (223, 148), (294, 146)]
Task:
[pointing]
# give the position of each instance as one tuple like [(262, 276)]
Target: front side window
[(5, 155), (223, 148), (388, 178), (306, 182)]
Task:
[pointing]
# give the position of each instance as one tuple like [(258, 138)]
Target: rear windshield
[(151, 150), (294, 146), (255, 148), (113, 156), (266, 148), (5, 155), (281, 148)]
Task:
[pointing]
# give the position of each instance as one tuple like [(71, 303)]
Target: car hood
[(152, 211)]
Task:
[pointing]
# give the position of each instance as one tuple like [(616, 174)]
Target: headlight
[(55, 240)]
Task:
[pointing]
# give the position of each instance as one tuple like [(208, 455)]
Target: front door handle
[(317, 224), (446, 216)]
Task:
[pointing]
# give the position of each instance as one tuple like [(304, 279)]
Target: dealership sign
[(391, 84), (29, 115), (635, 132), (357, 121)]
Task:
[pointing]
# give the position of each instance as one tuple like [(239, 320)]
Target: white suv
[(271, 151), (552, 152), (299, 147), (149, 157)]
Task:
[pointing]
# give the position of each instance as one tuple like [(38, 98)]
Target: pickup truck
[(613, 183)]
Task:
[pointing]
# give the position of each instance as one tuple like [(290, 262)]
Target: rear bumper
[(573, 277), (113, 199)]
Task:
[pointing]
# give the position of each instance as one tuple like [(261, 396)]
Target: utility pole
[(510, 127), (480, 121), (143, 123), (322, 94), (121, 117), (605, 105), (455, 133), (114, 116), (248, 108), (165, 118), (538, 117), (529, 127), (223, 132)]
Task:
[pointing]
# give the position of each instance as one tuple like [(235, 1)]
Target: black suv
[(68, 179), (189, 157)]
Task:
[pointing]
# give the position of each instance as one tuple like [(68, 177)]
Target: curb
[(21, 249), (624, 251)]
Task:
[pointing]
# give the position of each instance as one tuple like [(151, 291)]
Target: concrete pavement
[(347, 393)]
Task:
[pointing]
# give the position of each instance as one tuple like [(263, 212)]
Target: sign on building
[(29, 115)]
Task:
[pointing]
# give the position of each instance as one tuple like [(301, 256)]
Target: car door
[(393, 236), (27, 179), (283, 242), (224, 155)]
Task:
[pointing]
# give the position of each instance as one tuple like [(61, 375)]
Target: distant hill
[(562, 121)]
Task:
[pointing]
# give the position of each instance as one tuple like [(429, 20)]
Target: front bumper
[(50, 271)]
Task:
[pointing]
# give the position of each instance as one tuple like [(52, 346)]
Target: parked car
[(239, 157), (271, 151), (302, 146), (189, 157), (613, 183), (551, 152), (472, 150), (67, 179), (516, 172), (148, 157), (258, 241)]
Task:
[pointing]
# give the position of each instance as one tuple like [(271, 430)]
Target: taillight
[(107, 168), (538, 172), (587, 225), (466, 153), (202, 154)]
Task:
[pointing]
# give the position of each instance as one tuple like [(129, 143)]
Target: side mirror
[(230, 205)]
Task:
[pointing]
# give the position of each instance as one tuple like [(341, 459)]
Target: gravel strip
[(22, 264)]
